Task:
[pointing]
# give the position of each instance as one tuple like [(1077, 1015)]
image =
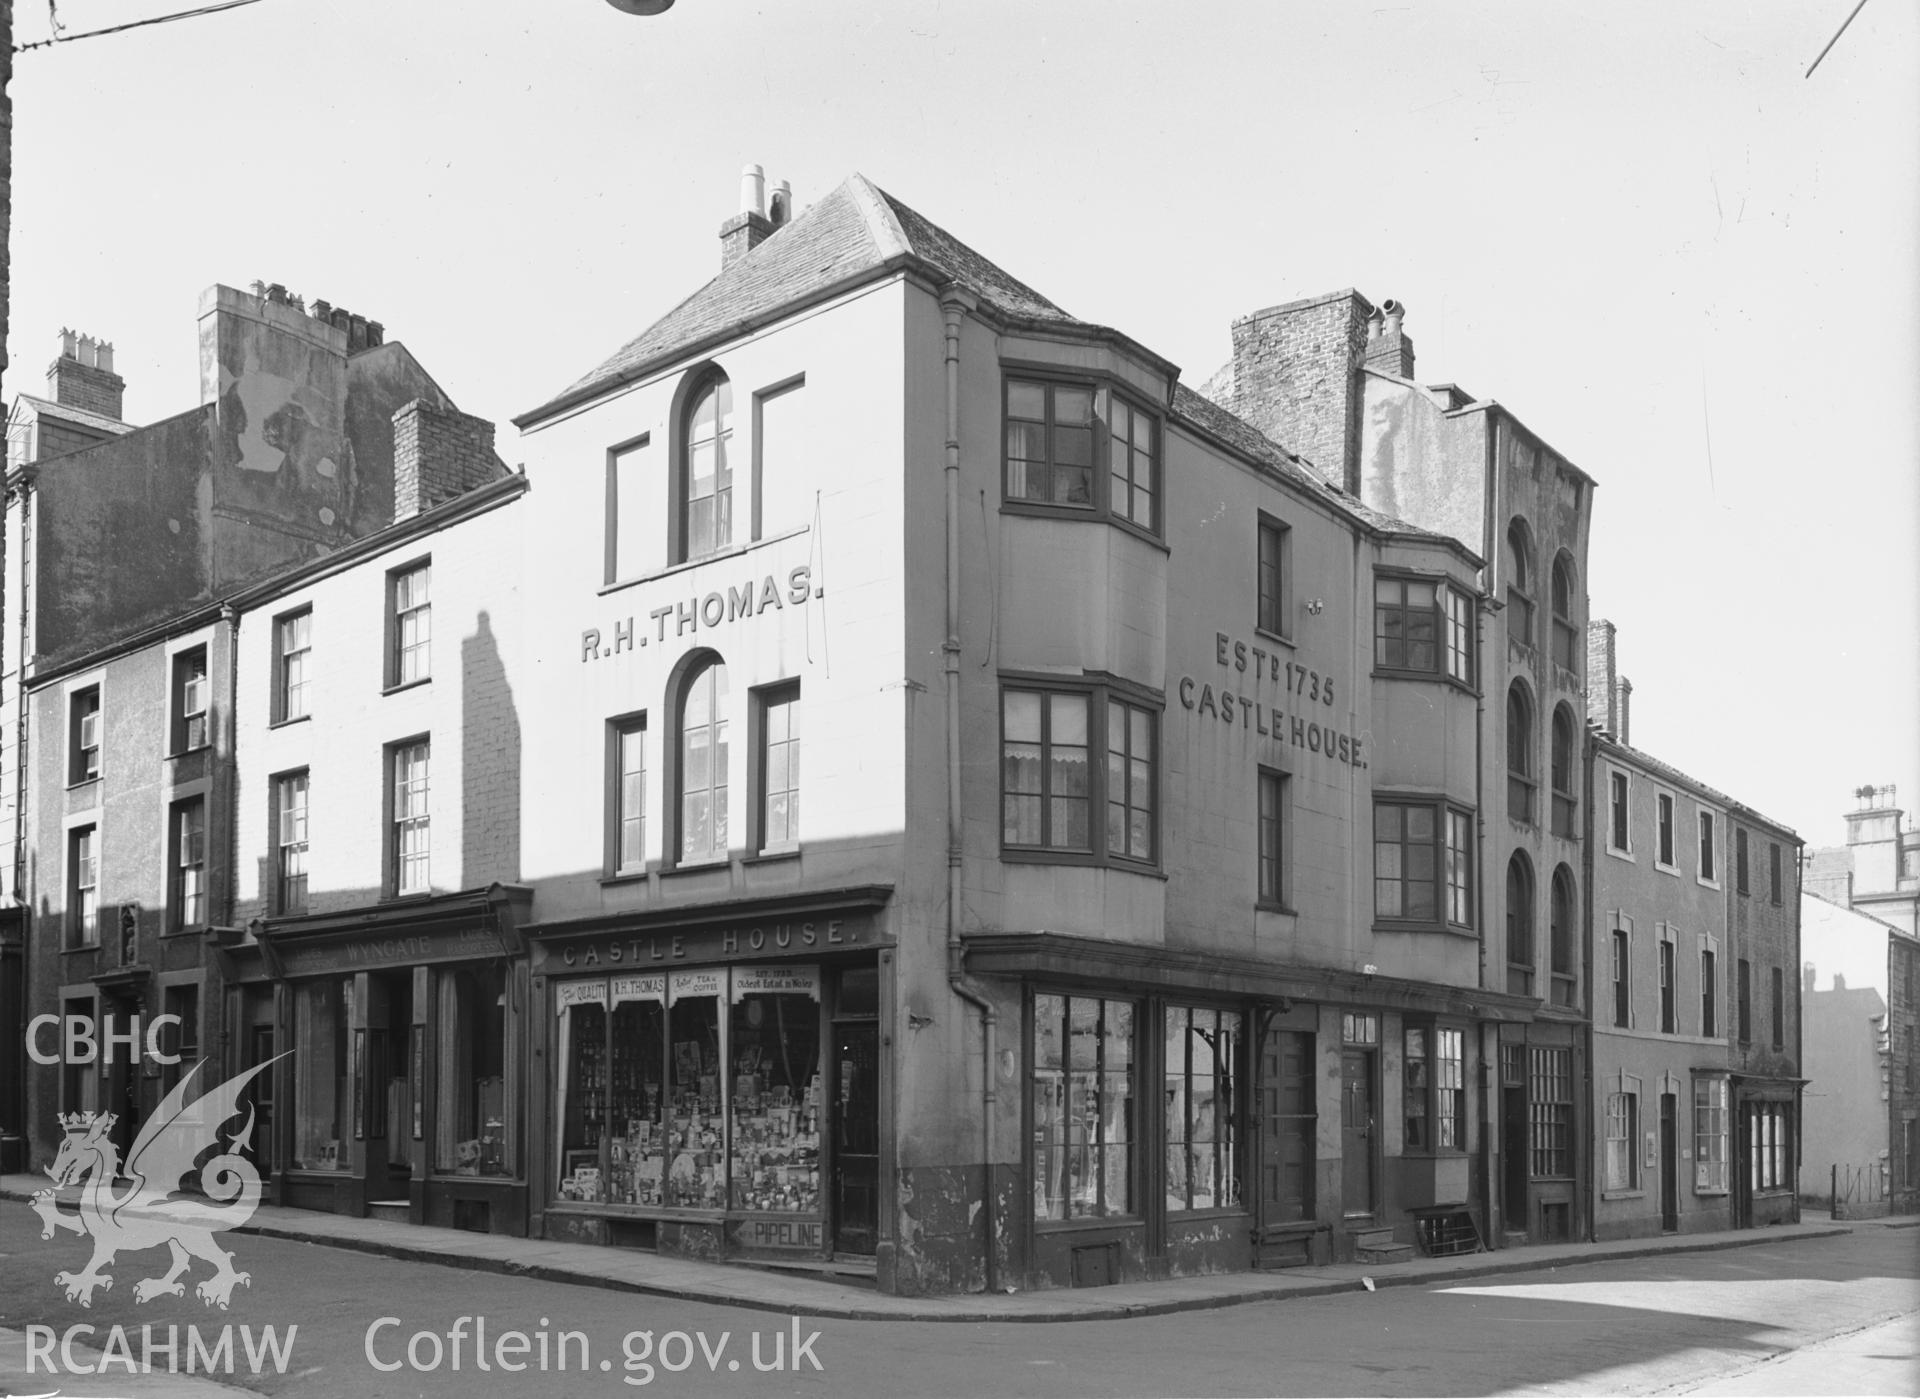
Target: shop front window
[(477, 1119), (775, 1077), (1083, 1092), (695, 1089), (1203, 1055), (322, 1076)]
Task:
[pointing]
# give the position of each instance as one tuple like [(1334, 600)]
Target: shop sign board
[(762, 1232), (707, 981), (403, 949), (720, 943), (776, 981)]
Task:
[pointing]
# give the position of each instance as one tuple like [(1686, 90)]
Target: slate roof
[(1201, 412), (855, 230), (1658, 768), (99, 422)]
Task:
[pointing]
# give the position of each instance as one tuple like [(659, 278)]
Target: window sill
[(1623, 1194), (1089, 1221), (636, 876), (1667, 869), (1714, 1192), (733, 551), (189, 752), (1177, 1215), (80, 947), (1085, 514), (1712, 884), (296, 719), (1023, 856), (83, 782), (1388, 925), (1620, 854), (410, 897), (773, 855), (1267, 906), (192, 930), (407, 685), (695, 867), (1285, 641), (1381, 672)]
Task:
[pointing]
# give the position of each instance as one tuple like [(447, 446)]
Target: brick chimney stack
[(82, 376), (438, 454), (755, 223), (1609, 694), (1389, 348)]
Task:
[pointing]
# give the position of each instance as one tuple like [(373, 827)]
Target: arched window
[(703, 763), (1519, 925), (1566, 633), (1520, 778), (706, 473), (1561, 920), (1565, 756), (1520, 582)]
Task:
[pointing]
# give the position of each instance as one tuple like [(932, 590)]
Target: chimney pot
[(83, 377), (1395, 312), (1373, 326), (753, 190), (103, 350), (780, 204), (322, 310), (376, 334), (277, 294), (1626, 711), (69, 345), (260, 290), (89, 355)]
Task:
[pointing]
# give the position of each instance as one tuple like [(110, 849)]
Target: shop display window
[(1083, 1093), (476, 1119), (696, 1089), (322, 1078), (775, 1078), (1203, 1050)]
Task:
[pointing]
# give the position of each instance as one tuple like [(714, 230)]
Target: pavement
[(787, 1292)]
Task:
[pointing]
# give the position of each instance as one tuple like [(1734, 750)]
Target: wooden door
[(856, 1137), (1356, 1131), (1669, 1163), (1286, 1127)]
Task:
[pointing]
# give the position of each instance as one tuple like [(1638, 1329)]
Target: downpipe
[(953, 308)]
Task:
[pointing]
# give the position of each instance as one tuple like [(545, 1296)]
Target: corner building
[(997, 812)]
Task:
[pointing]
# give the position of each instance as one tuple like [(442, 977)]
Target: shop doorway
[(1513, 1139), (1286, 1127), (1669, 1164), (260, 1051), (393, 1110), (1356, 1132), (856, 1137)]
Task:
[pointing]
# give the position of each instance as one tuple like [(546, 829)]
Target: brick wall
[(438, 454), (1294, 379)]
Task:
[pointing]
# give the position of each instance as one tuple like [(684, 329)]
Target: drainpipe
[(953, 309), (230, 615)]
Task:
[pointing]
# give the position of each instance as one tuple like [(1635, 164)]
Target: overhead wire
[(60, 36)]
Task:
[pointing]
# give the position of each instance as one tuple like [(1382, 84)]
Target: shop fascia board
[(504, 905), (1069, 958), (856, 898)]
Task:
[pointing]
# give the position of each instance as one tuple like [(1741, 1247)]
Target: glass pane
[(1068, 717), (1072, 485), (1048, 1011), (1026, 400), (774, 1075), (1020, 711), (1073, 405), (1070, 824), (1020, 767), (1021, 821)]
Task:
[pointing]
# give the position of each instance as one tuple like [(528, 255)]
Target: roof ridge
[(889, 237)]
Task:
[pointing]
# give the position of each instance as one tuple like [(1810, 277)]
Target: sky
[(1638, 226)]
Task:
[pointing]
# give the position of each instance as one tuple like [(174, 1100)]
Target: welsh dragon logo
[(151, 1211)]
